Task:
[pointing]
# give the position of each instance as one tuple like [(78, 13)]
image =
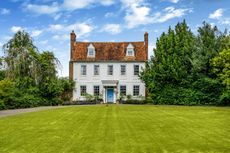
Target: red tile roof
[(108, 51)]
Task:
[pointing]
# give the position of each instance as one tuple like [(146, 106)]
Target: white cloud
[(76, 4), (15, 29), (216, 14), (79, 4), (4, 11), (43, 9), (44, 42), (55, 27), (172, 1), (225, 21), (61, 37), (170, 13), (112, 28), (80, 29), (36, 33), (107, 2), (109, 14), (139, 13)]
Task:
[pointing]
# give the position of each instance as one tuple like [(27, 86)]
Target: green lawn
[(118, 128)]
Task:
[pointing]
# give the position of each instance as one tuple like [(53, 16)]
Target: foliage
[(188, 69), (221, 66), (31, 76), (67, 88), (2, 74)]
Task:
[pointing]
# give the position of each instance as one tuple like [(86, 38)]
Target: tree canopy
[(188, 68)]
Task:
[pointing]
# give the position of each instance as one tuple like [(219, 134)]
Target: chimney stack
[(72, 41), (146, 38)]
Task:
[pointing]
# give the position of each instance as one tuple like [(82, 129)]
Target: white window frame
[(130, 50), (83, 93), (123, 89), (134, 70), (91, 51), (94, 89), (134, 90), (123, 72), (83, 72), (110, 72), (98, 70)]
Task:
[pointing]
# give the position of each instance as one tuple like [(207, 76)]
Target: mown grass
[(118, 129)]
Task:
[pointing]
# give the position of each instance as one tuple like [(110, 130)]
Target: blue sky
[(50, 22)]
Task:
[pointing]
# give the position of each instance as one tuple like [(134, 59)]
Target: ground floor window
[(123, 90), (136, 90), (83, 90), (96, 90)]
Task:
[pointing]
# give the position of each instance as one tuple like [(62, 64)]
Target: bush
[(148, 100), (134, 101), (225, 98), (79, 103), (2, 105)]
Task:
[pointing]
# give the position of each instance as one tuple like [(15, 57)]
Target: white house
[(109, 69)]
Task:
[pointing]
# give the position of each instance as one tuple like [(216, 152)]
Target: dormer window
[(130, 50), (91, 51)]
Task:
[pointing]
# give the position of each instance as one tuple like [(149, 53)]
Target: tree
[(171, 65), (221, 67), (20, 56), (208, 45), (187, 69)]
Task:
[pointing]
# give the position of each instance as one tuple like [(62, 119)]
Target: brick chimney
[(72, 41), (146, 38)]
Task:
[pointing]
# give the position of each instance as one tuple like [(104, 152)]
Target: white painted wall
[(90, 80)]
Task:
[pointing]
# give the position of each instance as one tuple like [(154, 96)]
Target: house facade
[(107, 69)]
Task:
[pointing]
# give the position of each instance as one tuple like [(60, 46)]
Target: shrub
[(134, 101), (225, 98), (148, 100), (2, 105)]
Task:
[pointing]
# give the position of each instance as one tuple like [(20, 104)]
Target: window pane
[(83, 90), (96, 90), (130, 52), (123, 90), (96, 69), (83, 69), (110, 69), (91, 52), (123, 69), (136, 69), (136, 90)]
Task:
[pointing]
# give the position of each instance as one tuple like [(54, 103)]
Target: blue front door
[(110, 95)]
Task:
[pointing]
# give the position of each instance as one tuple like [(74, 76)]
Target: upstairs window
[(83, 69), (136, 69), (123, 69), (91, 51), (96, 69), (110, 69), (130, 50)]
